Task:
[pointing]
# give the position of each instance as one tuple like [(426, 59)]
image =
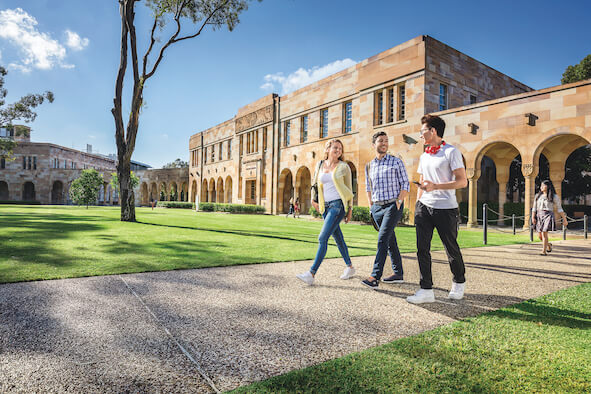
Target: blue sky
[(71, 47)]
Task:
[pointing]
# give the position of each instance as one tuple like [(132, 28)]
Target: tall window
[(24, 162), (205, 155), (378, 108), (212, 153), (442, 97), (347, 117), (324, 123), (253, 191), (304, 128), (240, 147), (221, 150), (265, 138), (286, 132), (390, 117), (2, 163), (229, 149), (401, 102)]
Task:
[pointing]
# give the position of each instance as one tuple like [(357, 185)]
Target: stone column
[(473, 176), (557, 176), (502, 179), (529, 171)]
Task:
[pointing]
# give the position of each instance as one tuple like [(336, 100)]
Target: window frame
[(323, 123)]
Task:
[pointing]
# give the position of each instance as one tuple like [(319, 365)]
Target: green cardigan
[(341, 176)]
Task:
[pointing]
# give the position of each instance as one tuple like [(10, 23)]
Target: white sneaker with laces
[(348, 273), (306, 277), (457, 291), (422, 296)]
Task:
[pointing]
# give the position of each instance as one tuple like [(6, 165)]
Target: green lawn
[(48, 242), (541, 345)]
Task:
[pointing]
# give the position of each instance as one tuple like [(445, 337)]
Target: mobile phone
[(416, 183)]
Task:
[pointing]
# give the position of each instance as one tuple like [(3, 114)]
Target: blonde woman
[(543, 213), (335, 203)]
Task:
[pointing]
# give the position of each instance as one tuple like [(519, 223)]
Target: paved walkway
[(196, 330)]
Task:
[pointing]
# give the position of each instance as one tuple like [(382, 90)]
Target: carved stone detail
[(258, 117), (527, 169), (470, 172)]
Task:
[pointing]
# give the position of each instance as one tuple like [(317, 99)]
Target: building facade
[(267, 152)]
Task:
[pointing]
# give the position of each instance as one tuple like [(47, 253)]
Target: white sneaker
[(457, 291), (422, 296), (306, 277), (348, 273)]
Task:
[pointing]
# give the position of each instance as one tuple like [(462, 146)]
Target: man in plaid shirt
[(386, 182)]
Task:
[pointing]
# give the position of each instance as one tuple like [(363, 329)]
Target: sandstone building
[(266, 153)]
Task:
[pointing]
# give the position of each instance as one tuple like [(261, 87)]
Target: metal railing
[(485, 224)]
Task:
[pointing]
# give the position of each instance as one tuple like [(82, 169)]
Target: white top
[(330, 191), (438, 168), (542, 204)]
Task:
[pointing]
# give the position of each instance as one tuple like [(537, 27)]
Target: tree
[(134, 181), (85, 189), (20, 110), (178, 163), (578, 72), (577, 177), (200, 13)]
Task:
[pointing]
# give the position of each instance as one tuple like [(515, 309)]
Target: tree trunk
[(126, 197)]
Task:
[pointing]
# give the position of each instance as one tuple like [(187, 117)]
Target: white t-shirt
[(330, 191), (438, 168)]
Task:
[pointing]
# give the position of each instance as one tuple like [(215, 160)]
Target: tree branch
[(222, 5), (116, 111)]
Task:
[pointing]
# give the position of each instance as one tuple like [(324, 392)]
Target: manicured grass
[(48, 242), (541, 345)]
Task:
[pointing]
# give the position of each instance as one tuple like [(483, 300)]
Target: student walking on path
[(441, 171), (335, 203), (543, 213), (386, 182)]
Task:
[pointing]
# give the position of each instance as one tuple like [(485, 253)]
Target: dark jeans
[(446, 223), (387, 217)]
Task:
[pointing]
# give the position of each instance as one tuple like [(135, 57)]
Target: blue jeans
[(387, 217), (334, 212)]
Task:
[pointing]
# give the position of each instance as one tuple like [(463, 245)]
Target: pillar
[(502, 179), (529, 171), (473, 175), (557, 176)]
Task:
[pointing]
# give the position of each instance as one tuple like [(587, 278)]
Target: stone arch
[(4, 194), (162, 192), (153, 192), (212, 192), (303, 184), (184, 192), (57, 192), (228, 189), (220, 190), (144, 195), (173, 192), (205, 191), (354, 182), (574, 188), (284, 191), (28, 191)]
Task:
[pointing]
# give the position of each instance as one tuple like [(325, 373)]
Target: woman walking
[(335, 201), (543, 213)]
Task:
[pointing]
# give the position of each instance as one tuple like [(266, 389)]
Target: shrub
[(231, 208), (14, 202), (175, 204), (314, 212), (361, 214)]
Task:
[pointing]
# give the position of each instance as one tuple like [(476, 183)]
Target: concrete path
[(218, 328)]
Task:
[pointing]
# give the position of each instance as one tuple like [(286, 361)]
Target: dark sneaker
[(372, 284), (393, 279)]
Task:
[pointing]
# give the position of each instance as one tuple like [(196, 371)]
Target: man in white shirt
[(442, 172)]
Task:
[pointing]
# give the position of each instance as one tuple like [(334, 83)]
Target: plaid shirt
[(387, 177)]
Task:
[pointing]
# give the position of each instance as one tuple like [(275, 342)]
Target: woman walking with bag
[(333, 198), (543, 213)]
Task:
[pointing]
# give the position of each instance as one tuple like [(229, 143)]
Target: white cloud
[(302, 77), (75, 42), (37, 49)]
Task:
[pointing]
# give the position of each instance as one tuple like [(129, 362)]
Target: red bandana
[(434, 149)]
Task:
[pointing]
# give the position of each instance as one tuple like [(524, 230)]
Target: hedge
[(14, 202), (232, 208), (175, 204)]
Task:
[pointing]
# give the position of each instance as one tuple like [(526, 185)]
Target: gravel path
[(219, 328)]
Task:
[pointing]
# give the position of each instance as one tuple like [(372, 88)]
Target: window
[(24, 162), (390, 117), (442, 97), (229, 149), (253, 191), (65, 164), (205, 155), (378, 108), (34, 162), (472, 99), (212, 153), (221, 150), (347, 117), (401, 102), (304, 128), (286, 132), (265, 138), (324, 123), (2, 163), (240, 146)]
